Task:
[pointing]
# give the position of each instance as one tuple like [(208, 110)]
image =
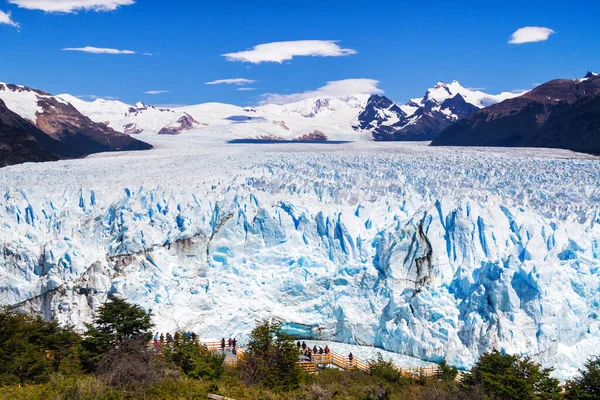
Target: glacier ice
[(428, 252)]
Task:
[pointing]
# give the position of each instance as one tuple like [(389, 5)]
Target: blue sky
[(405, 46)]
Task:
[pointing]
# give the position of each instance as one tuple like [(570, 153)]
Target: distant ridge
[(563, 113)]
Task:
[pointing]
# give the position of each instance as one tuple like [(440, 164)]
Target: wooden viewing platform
[(317, 361)]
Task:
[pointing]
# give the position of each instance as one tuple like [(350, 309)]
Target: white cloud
[(530, 34), (7, 20), (156, 92), (334, 88), (147, 54), (283, 51), (246, 89), (98, 50), (70, 6), (232, 81), (94, 97)]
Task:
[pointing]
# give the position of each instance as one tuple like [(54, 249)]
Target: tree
[(32, 348), (587, 385), (503, 376), (194, 360), (271, 358), (115, 322), (446, 372)]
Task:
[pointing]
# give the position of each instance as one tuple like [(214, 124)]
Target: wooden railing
[(308, 366), (332, 358), (342, 362)]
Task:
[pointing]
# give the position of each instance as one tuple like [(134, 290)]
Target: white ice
[(427, 252)]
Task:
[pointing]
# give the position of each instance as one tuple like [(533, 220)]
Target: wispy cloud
[(279, 52), (98, 50), (530, 34), (157, 92), (94, 97), (71, 6), (334, 88), (246, 89), (147, 54), (6, 19), (232, 81)]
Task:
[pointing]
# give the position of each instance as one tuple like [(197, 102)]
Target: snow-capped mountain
[(425, 118), (62, 130), (352, 117), (21, 141), (133, 119), (563, 113)]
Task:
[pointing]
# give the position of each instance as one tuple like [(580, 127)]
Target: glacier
[(429, 252)]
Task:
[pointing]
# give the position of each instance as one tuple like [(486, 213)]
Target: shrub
[(503, 376), (385, 370), (131, 366), (377, 393), (587, 385), (193, 360), (32, 348)]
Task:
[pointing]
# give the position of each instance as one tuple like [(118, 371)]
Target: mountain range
[(561, 113), (352, 117)]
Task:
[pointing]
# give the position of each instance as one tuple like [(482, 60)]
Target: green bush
[(503, 376), (587, 385), (32, 348), (194, 360), (385, 369)]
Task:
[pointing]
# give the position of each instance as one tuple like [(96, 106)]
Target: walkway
[(330, 360)]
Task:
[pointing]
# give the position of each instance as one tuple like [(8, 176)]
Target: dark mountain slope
[(57, 131), (21, 142), (558, 114)]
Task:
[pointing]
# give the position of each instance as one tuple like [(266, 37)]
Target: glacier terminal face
[(429, 252)]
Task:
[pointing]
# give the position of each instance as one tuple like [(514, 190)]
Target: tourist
[(223, 345), (229, 342), (350, 357), (299, 344), (309, 355), (194, 336), (303, 345), (327, 349), (162, 338), (321, 350), (234, 343), (315, 351)]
